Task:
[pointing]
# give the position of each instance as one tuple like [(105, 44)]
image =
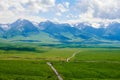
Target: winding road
[(68, 59)]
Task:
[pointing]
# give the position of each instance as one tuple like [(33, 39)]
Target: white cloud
[(40, 5), (67, 4), (62, 8), (55, 20), (90, 11), (58, 14), (71, 16), (10, 10), (9, 17), (27, 5), (108, 9), (33, 18), (96, 12)]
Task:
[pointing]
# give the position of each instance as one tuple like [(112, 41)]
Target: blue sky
[(71, 11)]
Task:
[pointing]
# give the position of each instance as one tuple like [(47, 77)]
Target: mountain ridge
[(61, 32)]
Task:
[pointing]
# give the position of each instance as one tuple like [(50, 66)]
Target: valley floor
[(87, 64)]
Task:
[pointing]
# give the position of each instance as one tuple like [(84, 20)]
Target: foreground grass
[(25, 70), (88, 71), (91, 64)]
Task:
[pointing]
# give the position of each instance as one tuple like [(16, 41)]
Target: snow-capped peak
[(5, 27)]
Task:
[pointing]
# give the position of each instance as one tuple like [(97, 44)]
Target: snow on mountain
[(62, 32), (5, 27)]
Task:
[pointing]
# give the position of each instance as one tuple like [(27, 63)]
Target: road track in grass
[(73, 55), (55, 71)]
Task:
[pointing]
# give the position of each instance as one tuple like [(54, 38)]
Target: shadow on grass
[(29, 49)]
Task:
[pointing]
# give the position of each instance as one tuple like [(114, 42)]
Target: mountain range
[(47, 32)]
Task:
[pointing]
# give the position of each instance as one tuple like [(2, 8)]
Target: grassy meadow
[(28, 62), (88, 70), (98, 54), (25, 70), (50, 54), (92, 64)]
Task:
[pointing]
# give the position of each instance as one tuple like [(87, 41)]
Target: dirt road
[(55, 71), (68, 59)]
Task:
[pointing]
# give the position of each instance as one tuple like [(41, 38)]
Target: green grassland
[(47, 54), (98, 54), (25, 70), (33, 51), (88, 70), (27, 61), (92, 64)]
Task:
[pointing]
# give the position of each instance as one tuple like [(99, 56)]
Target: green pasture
[(25, 70), (88, 70), (98, 54), (91, 64), (52, 54), (28, 62)]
